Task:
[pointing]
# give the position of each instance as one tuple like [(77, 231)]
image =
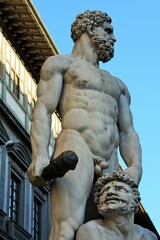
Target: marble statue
[(96, 121), (117, 198)]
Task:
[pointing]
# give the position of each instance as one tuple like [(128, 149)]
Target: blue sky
[(136, 62)]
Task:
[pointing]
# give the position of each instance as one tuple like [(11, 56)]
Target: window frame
[(43, 197), (14, 197), (15, 171), (14, 79), (35, 221)]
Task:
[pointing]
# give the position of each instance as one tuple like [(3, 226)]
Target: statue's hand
[(135, 172), (35, 170)]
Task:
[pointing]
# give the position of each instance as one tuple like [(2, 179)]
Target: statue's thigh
[(72, 140), (70, 193)]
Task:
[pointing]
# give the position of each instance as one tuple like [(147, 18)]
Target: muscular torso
[(96, 229), (89, 105)]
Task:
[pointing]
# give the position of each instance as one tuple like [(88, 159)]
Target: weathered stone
[(96, 120)]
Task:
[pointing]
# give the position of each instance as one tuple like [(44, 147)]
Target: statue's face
[(103, 41), (116, 197), (106, 32)]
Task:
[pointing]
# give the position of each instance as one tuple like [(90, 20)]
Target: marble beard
[(96, 121)]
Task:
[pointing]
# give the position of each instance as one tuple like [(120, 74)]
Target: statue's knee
[(66, 232)]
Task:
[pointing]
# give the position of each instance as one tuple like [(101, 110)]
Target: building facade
[(24, 46)]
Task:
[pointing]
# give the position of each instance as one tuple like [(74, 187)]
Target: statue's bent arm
[(130, 147)]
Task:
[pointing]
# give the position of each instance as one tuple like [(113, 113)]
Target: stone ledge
[(2, 219), (17, 232)]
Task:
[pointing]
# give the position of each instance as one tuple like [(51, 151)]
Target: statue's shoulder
[(107, 74), (56, 64), (113, 78), (144, 233), (91, 225), (61, 59), (94, 230), (87, 231), (123, 88)]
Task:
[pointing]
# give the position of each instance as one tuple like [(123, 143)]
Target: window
[(17, 78), (8, 52), (56, 125), (21, 83), (17, 65), (31, 94), (13, 59), (7, 73), (15, 74), (1, 39), (16, 87), (37, 208), (14, 198), (12, 80), (0, 62), (29, 104)]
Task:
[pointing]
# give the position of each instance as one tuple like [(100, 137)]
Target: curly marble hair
[(121, 177), (86, 22)]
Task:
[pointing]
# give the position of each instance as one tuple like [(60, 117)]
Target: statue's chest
[(83, 75)]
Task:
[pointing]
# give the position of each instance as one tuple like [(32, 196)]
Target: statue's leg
[(70, 193)]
